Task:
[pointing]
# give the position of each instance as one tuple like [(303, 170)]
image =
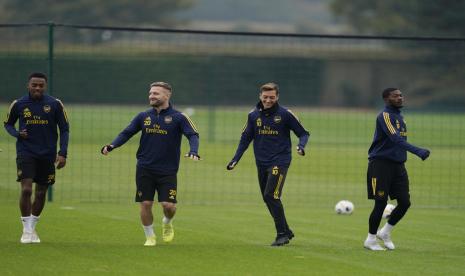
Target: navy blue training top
[(40, 118), (270, 131), (390, 138), (160, 142)]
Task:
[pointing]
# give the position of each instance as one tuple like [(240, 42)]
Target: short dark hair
[(163, 84), (37, 75), (270, 87), (387, 91)]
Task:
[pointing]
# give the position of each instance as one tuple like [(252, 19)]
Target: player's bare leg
[(39, 200), (146, 218), (25, 198), (169, 209), (25, 208), (40, 195)]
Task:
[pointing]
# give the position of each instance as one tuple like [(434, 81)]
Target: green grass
[(222, 226), (100, 238)]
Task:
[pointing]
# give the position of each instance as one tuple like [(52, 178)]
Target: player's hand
[(23, 134), (231, 165), (193, 155), (424, 154), (60, 162), (300, 151), (106, 149)]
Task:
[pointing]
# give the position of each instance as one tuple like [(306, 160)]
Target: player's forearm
[(303, 140), (243, 145), (11, 130), (64, 138), (194, 143), (406, 145), (120, 140)]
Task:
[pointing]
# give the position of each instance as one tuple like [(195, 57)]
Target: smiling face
[(269, 98), (36, 87), (159, 96)]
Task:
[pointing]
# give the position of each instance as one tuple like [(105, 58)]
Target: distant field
[(222, 227), (334, 167)]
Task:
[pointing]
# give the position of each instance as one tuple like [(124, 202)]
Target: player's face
[(395, 99), (159, 96), (36, 87), (268, 98)]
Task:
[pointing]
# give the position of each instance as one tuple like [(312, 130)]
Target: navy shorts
[(149, 183), (42, 171)]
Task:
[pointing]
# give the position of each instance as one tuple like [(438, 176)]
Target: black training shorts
[(42, 171), (147, 183), (385, 178)]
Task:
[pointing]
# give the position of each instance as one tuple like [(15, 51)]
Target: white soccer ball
[(388, 210), (344, 207)]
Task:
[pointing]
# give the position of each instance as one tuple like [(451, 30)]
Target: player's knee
[(26, 191), (270, 197), (41, 191), (146, 204), (168, 206), (40, 194), (381, 203), (405, 204)]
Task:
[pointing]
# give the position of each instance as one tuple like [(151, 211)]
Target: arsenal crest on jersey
[(47, 108)]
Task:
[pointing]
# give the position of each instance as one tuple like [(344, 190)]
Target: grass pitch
[(228, 240)]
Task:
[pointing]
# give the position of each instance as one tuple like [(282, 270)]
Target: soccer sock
[(34, 221), (167, 220), (148, 230), (27, 223), (371, 237), (387, 228)]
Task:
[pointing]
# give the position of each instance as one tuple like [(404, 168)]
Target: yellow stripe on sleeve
[(190, 122), (9, 110), (245, 125), (295, 116), (387, 120), (64, 111)]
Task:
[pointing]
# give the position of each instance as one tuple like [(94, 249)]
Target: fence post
[(51, 26)]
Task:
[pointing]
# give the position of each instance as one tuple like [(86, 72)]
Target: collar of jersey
[(35, 100), (163, 111), (392, 109), (268, 111)]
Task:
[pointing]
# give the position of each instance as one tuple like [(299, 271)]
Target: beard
[(156, 103)]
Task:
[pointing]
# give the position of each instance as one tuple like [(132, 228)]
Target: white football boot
[(371, 244), (386, 238)]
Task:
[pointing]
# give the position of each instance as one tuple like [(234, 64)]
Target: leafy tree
[(112, 13), (403, 17), (442, 62)]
